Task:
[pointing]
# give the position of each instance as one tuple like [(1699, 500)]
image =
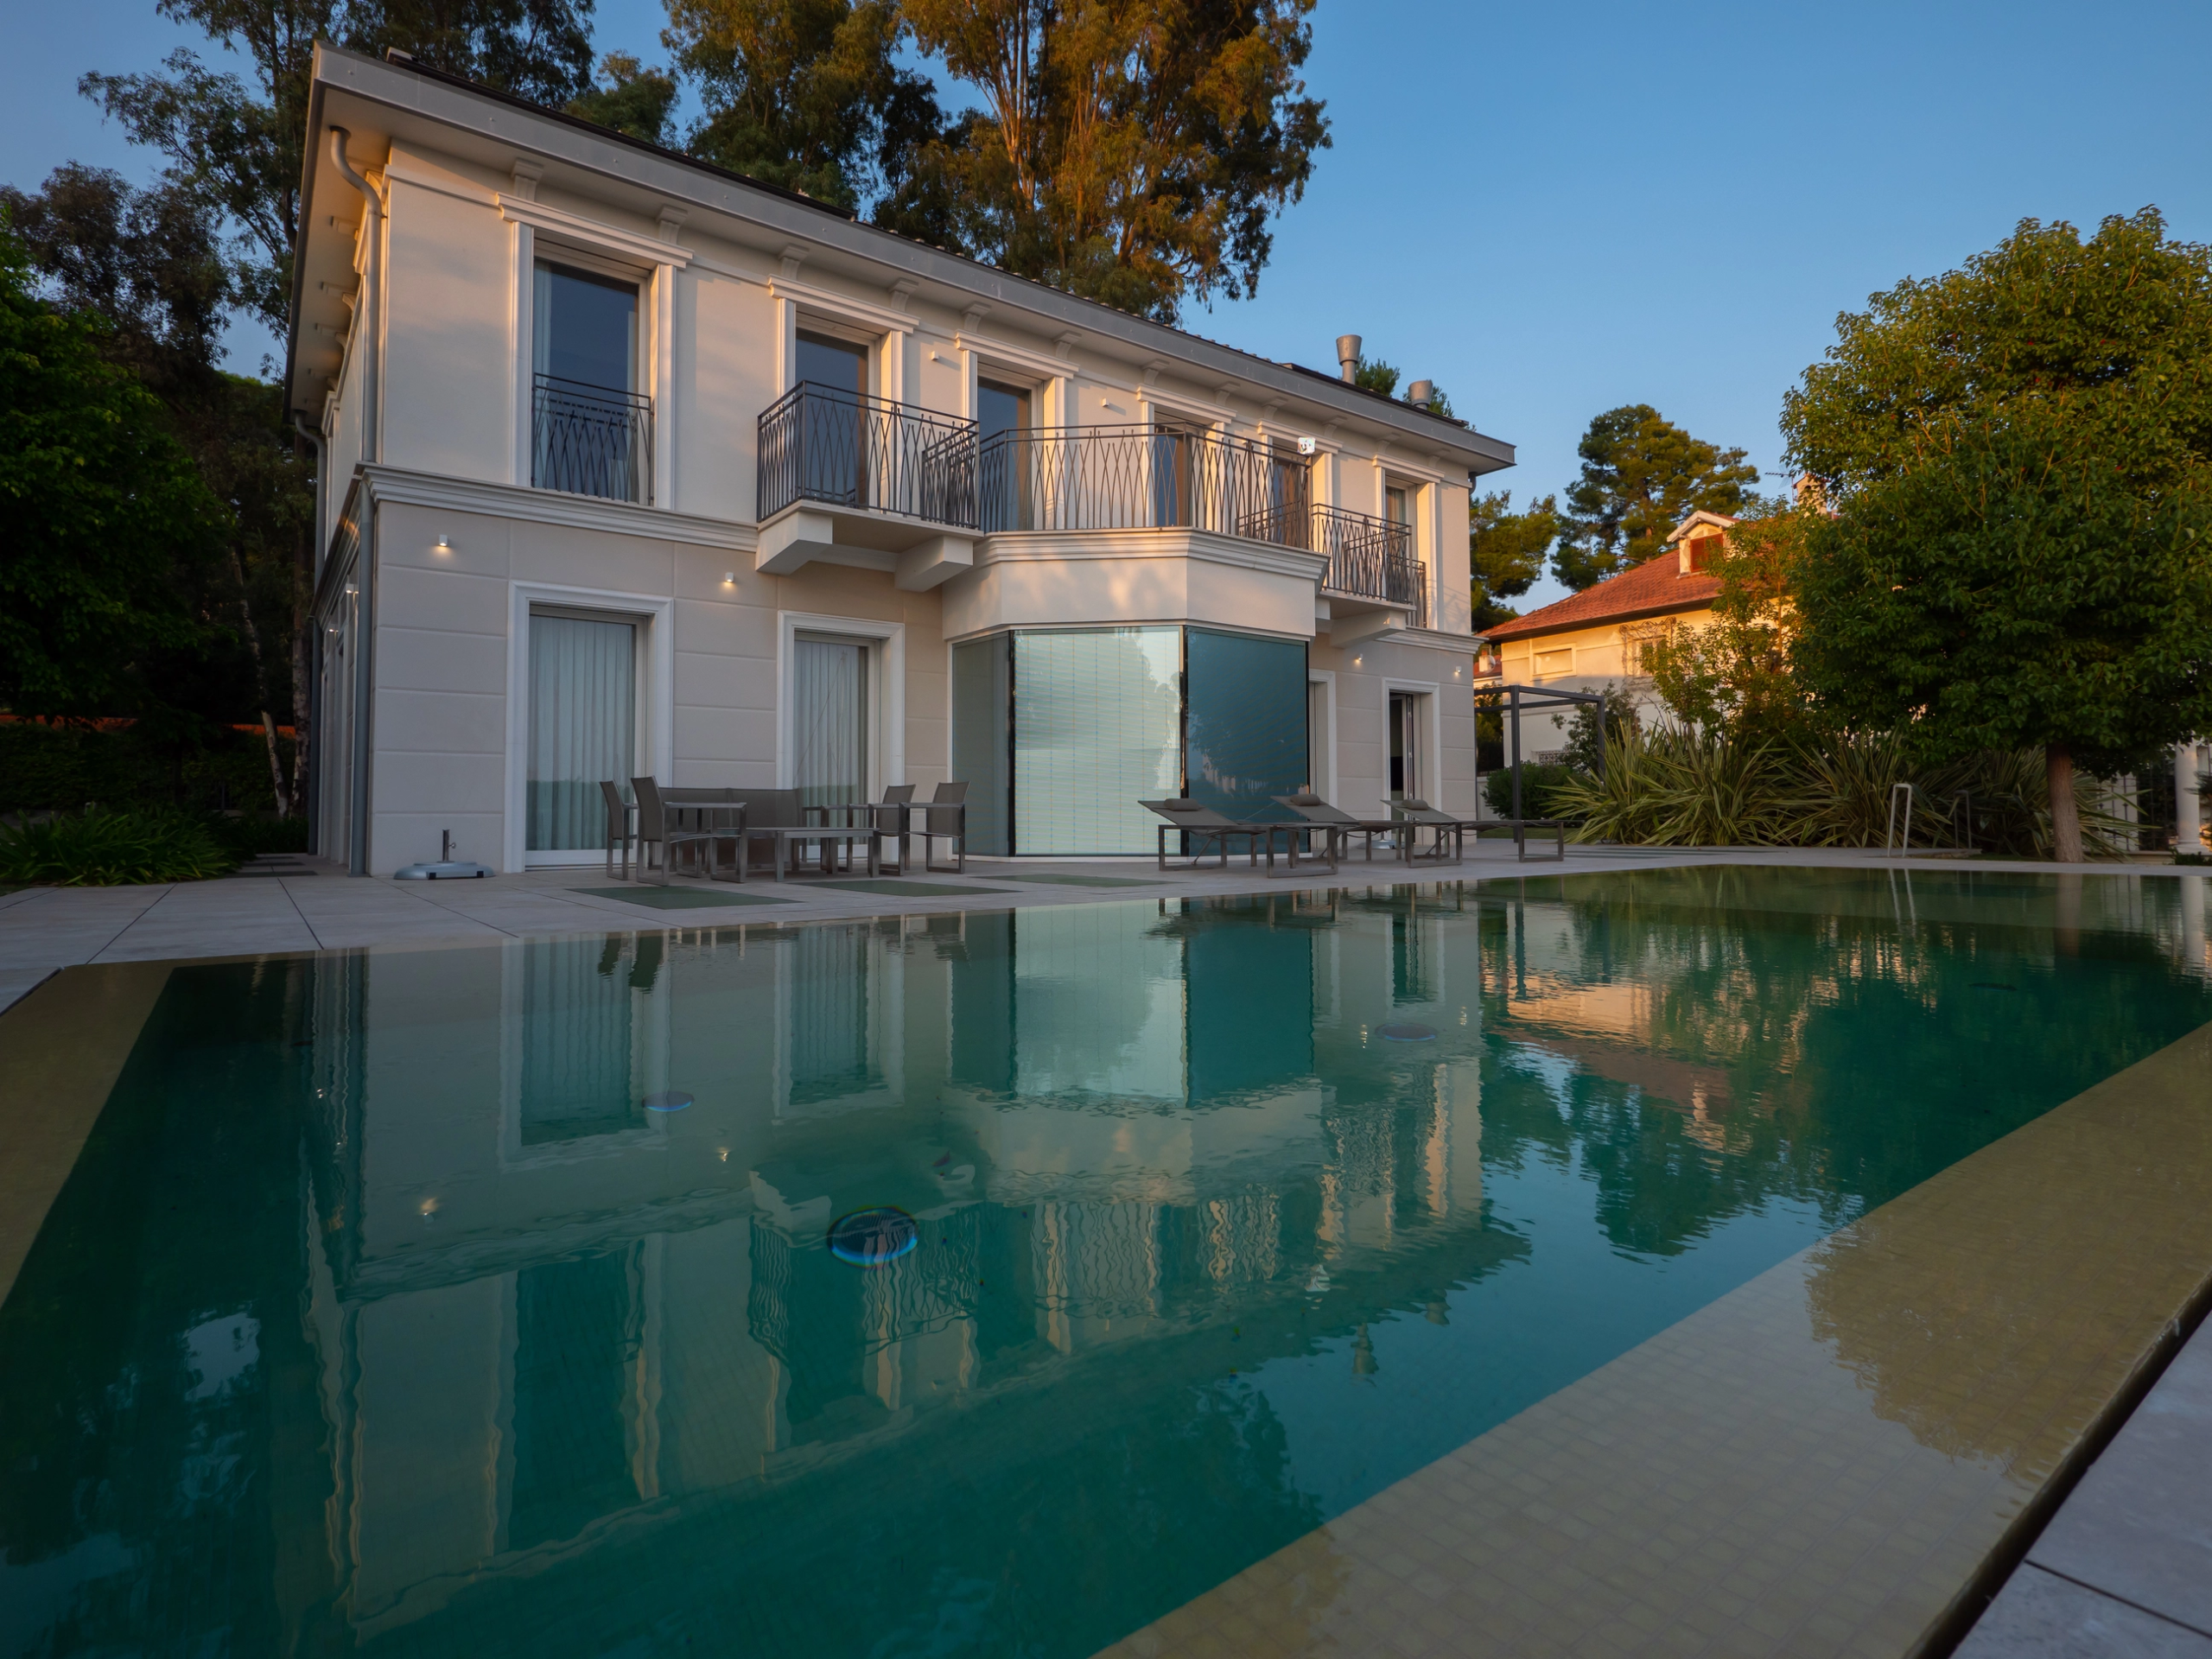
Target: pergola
[(1535, 699)]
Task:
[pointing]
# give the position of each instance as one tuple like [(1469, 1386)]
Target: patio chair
[(655, 831), (726, 826), (1416, 815), (1207, 828), (888, 817), (619, 831), (945, 817), (1337, 826)]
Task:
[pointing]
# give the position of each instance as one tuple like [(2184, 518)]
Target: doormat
[(899, 889), (677, 898), (1076, 880)]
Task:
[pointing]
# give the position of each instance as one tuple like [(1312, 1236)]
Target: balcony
[(837, 448), (1140, 476), (1371, 559), (590, 439)]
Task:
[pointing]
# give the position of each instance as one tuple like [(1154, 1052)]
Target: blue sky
[(1554, 210)]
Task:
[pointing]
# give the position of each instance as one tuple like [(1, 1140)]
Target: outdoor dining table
[(785, 834)]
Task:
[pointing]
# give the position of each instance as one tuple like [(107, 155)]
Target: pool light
[(874, 1238)]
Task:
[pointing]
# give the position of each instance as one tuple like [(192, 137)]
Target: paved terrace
[(2122, 1568)]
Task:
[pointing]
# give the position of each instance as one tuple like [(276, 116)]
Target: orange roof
[(1653, 588)]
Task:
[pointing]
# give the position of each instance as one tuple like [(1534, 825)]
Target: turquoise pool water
[(382, 1314)]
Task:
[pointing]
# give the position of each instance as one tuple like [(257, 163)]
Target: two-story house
[(634, 466), (1593, 639)]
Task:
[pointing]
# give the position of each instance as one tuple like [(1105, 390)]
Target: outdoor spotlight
[(729, 578), (444, 546)]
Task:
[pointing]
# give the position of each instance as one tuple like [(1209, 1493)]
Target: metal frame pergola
[(1527, 699)]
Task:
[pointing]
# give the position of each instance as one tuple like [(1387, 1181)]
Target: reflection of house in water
[(1145, 1151)]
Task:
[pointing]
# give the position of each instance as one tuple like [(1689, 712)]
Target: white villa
[(635, 466)]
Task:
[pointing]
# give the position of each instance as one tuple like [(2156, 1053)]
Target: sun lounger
[(1209, 829)]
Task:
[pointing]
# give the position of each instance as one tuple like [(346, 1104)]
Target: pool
[(998, 1283)]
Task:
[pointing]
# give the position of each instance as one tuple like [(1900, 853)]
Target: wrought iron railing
[(823, 443), (1140, 476), (590, 439), (1370, 556)]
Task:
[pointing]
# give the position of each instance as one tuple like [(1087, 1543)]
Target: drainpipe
[(311, 785), (369, 321)]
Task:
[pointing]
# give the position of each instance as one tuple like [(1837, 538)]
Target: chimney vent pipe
[(1348, 355), (1421, 392)]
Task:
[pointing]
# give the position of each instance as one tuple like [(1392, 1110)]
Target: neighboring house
[(1595, 639), (635, 465)]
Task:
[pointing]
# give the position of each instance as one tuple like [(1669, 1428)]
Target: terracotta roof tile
[(1652, 588)]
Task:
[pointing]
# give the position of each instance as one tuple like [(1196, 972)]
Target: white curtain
[(829, 721), (583, 702)]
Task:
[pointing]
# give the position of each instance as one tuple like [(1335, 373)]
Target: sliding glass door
[(583, 726), (830, 720)]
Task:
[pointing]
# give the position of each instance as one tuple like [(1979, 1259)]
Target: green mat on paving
[(1075, 881), (678, 897), (900, 889)]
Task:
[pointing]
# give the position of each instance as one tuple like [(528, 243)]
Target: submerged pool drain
[(1406, 1033), (873, 1238)]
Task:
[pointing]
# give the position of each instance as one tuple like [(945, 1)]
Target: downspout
[(370, 321), (309, 663)]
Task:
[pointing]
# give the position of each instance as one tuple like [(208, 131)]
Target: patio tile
[(2039, 1615)]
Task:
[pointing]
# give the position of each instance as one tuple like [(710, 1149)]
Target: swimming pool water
[(985, 1284)]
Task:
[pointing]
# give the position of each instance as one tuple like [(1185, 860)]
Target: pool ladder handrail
[(1889, 830)]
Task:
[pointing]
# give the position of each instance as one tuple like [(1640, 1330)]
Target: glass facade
[(1060, 733), (1245, 722)]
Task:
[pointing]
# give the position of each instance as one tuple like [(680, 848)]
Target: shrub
[(99, 849), (1540, 789)]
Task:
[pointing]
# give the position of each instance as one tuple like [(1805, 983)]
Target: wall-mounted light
[(1307, 446), (444, 545), (729, 578)]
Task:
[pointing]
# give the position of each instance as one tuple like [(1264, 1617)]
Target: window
[(833, 446), (1397, 504), (591, 430), (1405, 744), (583, 719), (1244, 744), (829, 719), (1702, 550), (836, 364), (1001, 416), (1097, 725)]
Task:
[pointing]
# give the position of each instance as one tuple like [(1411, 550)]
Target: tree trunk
[(261, 679), (2065, 812)]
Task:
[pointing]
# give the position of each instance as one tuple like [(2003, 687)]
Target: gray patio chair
[(1413, 815), (619, 831), (1207, 828), (945, 817), (888, 817), (655, 831), (1337, 826)]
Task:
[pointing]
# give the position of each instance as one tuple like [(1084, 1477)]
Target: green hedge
[(1539, 785), (60, 768)]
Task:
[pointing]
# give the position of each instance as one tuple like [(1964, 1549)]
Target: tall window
[(591, 430), (583, 715), (1397, 504), (830, 722), (1405, 744), (1097, 725), (833, 439)]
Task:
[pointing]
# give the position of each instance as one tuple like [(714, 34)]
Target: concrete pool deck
[(1829, 1470)]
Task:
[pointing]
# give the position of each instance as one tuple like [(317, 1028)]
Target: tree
[(1641, 475), (635, 100), (146, 270), (1133, 151), (105, 511), (803, 94), (1505, 551), (2020, 454), (238, 145)]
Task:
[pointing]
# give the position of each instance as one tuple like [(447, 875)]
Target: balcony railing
[(1369, 557), (1140, 476), (823, 443), (590, 439)]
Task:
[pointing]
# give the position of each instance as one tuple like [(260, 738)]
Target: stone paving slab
[(2042, 1616)]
